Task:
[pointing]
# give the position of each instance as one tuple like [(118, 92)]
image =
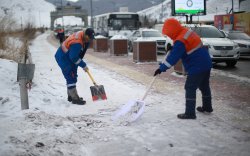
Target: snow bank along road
[(53, 126)]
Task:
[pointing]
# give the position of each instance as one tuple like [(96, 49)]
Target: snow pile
[(100, 37), (118, 37), (144, 39)]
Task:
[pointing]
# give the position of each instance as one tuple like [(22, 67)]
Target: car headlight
[(242, 45), (236, 45), (207, 46)]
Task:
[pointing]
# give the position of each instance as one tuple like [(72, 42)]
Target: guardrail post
[(25, 74), (23, 94)]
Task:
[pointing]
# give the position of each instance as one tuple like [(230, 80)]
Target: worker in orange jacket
[(196, 61), (69, 56), (61, 35)]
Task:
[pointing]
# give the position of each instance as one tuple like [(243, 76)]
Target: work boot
[(74, 98), (70, 98), (189, 111), (206, 105), (186, 116), (203, 110)]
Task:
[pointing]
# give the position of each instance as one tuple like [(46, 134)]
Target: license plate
[(223, 53)]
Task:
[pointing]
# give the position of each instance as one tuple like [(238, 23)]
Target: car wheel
[(231, 63), (130, 46)]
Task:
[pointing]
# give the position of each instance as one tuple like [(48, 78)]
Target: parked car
[(68, 32), (242, 39), (221, 48), (149, 34)]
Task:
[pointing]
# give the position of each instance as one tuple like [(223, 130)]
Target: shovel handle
[(91, 77), (150, 85)]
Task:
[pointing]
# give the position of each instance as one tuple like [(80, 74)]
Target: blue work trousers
[(193, 82)]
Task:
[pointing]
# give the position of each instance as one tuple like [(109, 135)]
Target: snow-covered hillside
[(213, 7), (36, 12)]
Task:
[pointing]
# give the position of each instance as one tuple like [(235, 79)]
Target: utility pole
[(91, 13), (62, 14), (21, 23), (39, 19), (162, 10), (232, 6)]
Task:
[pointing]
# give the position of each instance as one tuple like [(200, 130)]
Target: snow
[(54, 126), (118, 37), (214, 7), (100, 37), (36, 12)]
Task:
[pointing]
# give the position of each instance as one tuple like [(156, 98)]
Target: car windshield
[(151, 34), (238, 35), (208, 32)]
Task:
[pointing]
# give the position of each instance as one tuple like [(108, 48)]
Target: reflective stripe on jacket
[(190, 39), (72, 39)]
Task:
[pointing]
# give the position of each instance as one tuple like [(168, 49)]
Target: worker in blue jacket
[(196, 61), (69, 56)]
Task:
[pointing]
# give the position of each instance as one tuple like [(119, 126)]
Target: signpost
[(188, 8)]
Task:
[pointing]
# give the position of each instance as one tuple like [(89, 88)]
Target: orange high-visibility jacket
[(72, 39), (190, 39)]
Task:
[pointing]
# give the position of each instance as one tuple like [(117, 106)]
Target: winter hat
[(90, 32), (172, 28)]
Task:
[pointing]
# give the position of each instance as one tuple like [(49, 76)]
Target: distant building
[(236, 21), (244, 5)]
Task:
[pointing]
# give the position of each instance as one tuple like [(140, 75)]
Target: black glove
[(169, 47), (158, 71)]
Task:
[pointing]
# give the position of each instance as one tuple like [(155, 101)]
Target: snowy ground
[(53, 126)]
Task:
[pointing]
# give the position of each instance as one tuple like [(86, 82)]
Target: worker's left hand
[(168, 47), (158, 71), (85, 68)]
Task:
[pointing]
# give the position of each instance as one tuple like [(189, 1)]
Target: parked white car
[(221, 48), (149, 34), (242, 39)]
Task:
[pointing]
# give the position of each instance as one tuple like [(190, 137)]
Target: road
[(241, 68)]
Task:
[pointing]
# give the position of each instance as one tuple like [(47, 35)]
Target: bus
[(116, 23)]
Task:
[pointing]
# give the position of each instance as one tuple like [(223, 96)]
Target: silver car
[(243, 41), (150, 34), (221, 49)]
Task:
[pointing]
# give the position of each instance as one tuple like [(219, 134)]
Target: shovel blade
[(98, 93), (130, 112)]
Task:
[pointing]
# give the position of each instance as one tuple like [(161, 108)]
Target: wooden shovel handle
[(91, 77), (149, 87)]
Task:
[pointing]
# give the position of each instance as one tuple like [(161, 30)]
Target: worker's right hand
[(158, 71)]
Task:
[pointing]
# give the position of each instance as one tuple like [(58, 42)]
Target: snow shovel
[(133, 109), (97, 91)]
